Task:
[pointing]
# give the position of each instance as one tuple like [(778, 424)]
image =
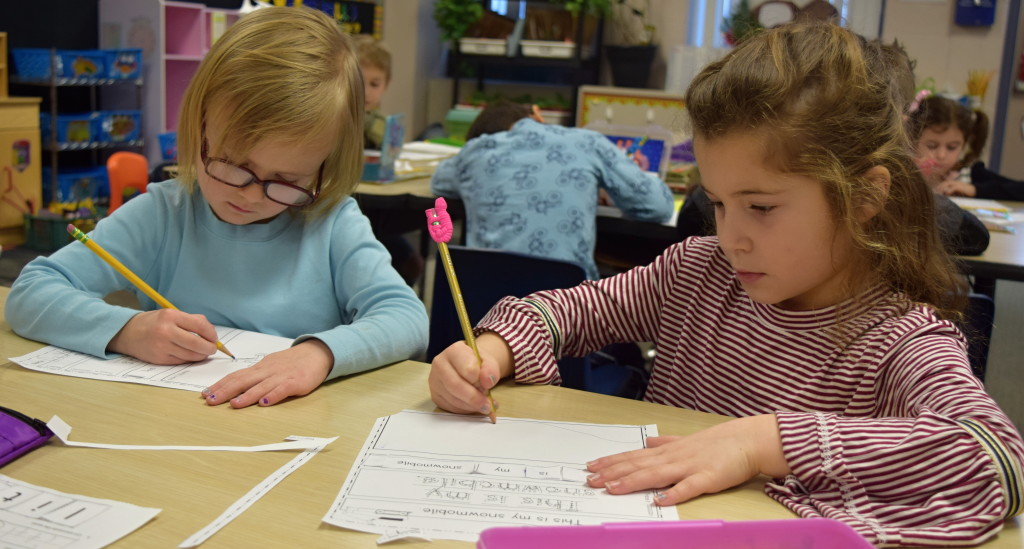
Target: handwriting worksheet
[(248, 347), (452, 476), (40, 518)]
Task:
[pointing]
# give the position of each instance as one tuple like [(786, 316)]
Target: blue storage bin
[(83, 63), (119, 126), (71, 128), (75, 185), (34, 63), (124, 64)]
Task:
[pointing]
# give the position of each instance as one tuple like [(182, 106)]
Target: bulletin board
[(628, 107)]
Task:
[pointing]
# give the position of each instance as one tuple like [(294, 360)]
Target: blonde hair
[(285, 72), (823, 99), (371, 52)]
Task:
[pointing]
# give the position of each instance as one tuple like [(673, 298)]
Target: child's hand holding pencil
[(463, 381)]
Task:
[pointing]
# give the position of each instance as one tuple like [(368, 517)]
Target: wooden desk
[(193, 488)]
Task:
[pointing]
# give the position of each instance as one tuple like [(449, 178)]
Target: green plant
[(740, 24), (599, 8), (455, 17)]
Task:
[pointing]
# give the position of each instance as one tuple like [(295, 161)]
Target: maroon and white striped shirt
[(882, 423)]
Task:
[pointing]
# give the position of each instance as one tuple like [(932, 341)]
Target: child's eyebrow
[(749, 192)]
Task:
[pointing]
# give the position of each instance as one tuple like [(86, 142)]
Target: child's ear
[(879, 179), (535, 114)]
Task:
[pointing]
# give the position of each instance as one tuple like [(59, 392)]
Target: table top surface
[(193, 488)]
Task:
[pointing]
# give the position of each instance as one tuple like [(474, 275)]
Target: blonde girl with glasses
[(257, 232)]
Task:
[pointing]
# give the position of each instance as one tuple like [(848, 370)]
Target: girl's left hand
[(953, 187), (293, 372), (706, 462)]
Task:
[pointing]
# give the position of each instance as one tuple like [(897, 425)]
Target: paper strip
[(244, 502), (63, 431)]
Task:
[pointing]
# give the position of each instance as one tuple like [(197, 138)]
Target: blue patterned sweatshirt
[(533, 189)]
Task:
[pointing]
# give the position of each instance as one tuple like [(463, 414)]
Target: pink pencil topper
[(439, 223)]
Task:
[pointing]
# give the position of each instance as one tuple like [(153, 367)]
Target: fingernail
[(211, 396), (591, 464), (265, 401), (493, 381), (497, 405), (611, 485), (660, 496), (205, 391), (594, 478), (485, 409)]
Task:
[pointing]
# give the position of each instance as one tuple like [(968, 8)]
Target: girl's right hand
[(459, 384), (166, 336)]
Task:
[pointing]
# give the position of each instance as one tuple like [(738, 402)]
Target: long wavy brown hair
[(824, 99)]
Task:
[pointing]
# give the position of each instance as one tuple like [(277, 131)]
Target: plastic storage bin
[(119, 126), (50, 233), (71, 128), (124, 64), (482, 46), (76, 185), (810, 533), (548, 48), (458, 121), (34, 62), (83, 63)]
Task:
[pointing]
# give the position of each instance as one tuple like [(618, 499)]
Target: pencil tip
[(494, 417)]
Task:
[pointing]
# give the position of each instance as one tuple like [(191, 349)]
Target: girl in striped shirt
[(820, 316)]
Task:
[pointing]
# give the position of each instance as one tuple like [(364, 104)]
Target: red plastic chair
[(126, 170)]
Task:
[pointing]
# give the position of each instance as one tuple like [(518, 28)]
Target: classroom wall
[(944, 50), (410, 34)]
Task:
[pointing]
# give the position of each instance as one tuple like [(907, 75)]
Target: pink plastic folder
[(686, 534)]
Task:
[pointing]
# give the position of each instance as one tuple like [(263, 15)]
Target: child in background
[(258, 231), (949, 138), (532, 188), (375, 64), (819, 317)]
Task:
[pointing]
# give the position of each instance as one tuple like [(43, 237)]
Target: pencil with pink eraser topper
[(439, 224)]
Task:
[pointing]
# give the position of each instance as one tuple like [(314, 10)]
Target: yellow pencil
[(439, 225), (138, 282)]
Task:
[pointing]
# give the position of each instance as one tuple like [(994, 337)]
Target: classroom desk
[(1004, 257), (193, 488)]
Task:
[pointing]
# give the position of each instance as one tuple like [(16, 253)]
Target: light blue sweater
[(328, 279), (533, 190)]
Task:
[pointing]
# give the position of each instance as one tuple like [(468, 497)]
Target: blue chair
[(977, 327), (485, 276)]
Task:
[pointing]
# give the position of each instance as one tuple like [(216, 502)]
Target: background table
[(193, 488)]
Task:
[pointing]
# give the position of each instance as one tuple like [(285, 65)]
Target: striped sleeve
[(547, 325), (940, 467)]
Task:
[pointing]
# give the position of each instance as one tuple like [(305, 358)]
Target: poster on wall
[(355, 16)]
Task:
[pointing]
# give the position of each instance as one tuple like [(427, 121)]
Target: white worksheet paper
[(40, 518), (248, 347), (452, 476)]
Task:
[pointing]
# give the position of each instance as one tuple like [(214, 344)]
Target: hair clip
[(916, 103)]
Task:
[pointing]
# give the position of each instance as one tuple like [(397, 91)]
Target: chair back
[(126, 169), (978, 320), (485, 276)]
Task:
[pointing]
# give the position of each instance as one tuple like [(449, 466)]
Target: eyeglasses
[(282, 192)]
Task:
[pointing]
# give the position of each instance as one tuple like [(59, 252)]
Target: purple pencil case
[(806, 533), (19, 434)]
